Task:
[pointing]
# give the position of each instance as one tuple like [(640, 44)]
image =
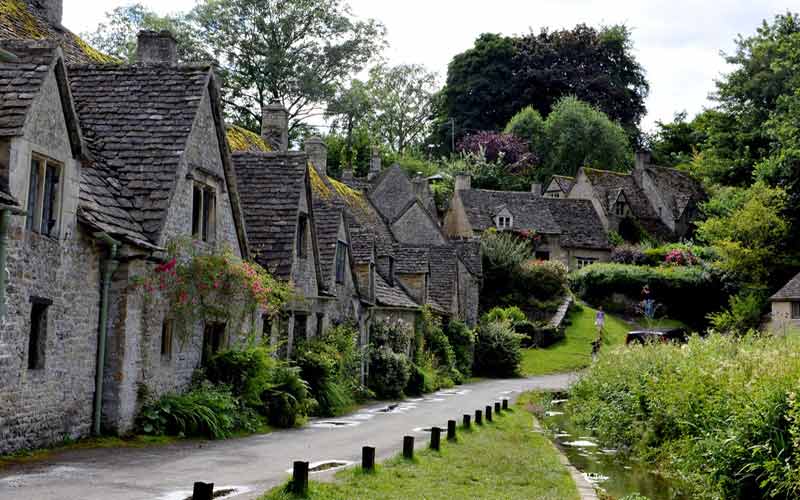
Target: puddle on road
[(325, 465), (332, 424), (57, 472)]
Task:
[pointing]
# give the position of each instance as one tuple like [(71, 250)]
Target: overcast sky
[(677, 41)]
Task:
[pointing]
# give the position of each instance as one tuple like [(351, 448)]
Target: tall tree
[(402, 99), (676, 142), (298, 52), (348, 113)]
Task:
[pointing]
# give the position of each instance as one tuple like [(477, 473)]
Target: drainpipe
[(108, 267), (5, 218)]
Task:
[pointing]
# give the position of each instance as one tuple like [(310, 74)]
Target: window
[(213, 340), (320, 324), (503, 222), (44, 196), (204, 212), (341, 256), (619, 208), (300, 328), (584, 261), (542, 255), (166, 340), (795, 310), (302, 225), (38, 333)]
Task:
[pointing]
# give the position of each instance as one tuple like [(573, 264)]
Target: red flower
[(167, 266)]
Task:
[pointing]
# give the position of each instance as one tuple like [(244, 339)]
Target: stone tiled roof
[(136, 120), (24, 19), (326, 219), (271, 186), (790, 291), (410, 259), (529, 211), (608, 184), (469, 251), (361, 244), (443, 278), (580, 225), (392, 296), (241, 139), (21, 80), (677, 189), (564, 182)]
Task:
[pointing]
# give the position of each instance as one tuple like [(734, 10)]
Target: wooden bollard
[(478, 417), (368, 458), (488, 411), (451, 430), (408, 447), (436, 436), (467, 422), (299, 485), (505, 404), (496, 407), (203, 491)]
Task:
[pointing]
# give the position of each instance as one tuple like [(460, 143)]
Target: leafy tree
[(527, 125), (676, 142), (298, 52), (577, 135), (349, 113), (355, 155), (401, 98)]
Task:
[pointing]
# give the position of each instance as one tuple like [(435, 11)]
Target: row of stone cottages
[(103, 164)]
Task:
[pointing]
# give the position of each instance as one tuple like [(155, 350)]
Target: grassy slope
[(575, 351), (503, 459)]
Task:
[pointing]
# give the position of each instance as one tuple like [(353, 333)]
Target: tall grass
[(720, 412)]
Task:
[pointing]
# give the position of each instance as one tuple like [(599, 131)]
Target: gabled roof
[(392, 296), (25, 19), (21, 80), (271, 186), (444, 276), (392, 192), (790, 291), (469, 251), (677, 189), (241, 139), (563, 182), (529, 211), (327, 220), (580, 225), (136, 121), (362, 243)]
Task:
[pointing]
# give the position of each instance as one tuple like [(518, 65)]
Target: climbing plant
[(211, 286)]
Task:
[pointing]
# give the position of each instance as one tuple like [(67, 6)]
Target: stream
[(613, 473)]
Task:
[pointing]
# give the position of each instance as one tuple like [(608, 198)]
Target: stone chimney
[(317, 152), (642, 159), (374, 164), (275, 126), (536, 188), (463, 182), (53, 10), (347, 174), (156, 47)]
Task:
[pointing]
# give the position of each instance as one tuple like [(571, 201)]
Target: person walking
[(599, 323)]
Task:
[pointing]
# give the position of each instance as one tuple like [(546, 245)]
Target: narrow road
[(252, 464)]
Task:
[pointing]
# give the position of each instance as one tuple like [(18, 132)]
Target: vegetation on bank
[(721, 413), (502, 459)]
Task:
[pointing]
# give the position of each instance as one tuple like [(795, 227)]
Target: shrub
[(544, 279), (498, 351), (527, 125), (202, 412), (628, 254), (396, 335), (503, 251), (513, 316), (540, 334), (287, 399), (719, 413), (248, 372), (436, 343), (462, 339), (743, 314), (422, 376), (389, 372)]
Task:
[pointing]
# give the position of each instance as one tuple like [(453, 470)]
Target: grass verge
[(502, 459)]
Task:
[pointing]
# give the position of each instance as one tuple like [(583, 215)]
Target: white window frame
[(36, 213), (504, 222), (582, 262)]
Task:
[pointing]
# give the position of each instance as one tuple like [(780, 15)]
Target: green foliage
[(512, 316), (502, 250), (676, 143), (744, 313), (720, 413), (462, 340), (686, 293), (248, 372), (331, 364), (389, 372), (288, 399), (436, 342), (498, 351), (528, 125), (205, 411)]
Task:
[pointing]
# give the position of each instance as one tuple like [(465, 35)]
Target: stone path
[(256, 463)]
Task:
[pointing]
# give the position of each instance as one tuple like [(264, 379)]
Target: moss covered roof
[(241, 139)]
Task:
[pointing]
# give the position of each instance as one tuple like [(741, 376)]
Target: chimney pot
[(463, 182), (275, 126), (156, 47), (53, 10), (317, 152), (374, 163)]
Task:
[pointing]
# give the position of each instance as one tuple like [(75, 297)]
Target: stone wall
[(781, 322), (416, 227), (416, 284), (469, 289), (582, 190), (456, 223)]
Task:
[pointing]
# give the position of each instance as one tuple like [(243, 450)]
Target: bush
[(743, 314), (389, 372), (462, 339), (287, 399), (540, 334), (544, 279), (504, 251), (498, 351), (422, 377), (687, 293), (435, 342), (720, 413), (628, 254), (202, 412), (396, 335), (248, 372)]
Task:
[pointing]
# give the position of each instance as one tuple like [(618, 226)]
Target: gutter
[(108, 267)]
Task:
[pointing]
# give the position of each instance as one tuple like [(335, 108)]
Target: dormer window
[(204, 212), (44, 196), (619, 208), (504, 222)]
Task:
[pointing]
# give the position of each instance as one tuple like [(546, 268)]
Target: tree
[(527, 125), (401, 99), (349, 112), (577, 135), (676, 142), (297, 52), (117, 35)]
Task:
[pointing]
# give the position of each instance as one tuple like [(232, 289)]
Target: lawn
[(575, 351), (502, 459)]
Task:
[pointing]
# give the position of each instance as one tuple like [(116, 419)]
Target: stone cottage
[(785, 315), (559, 187), (569, 231), (663, 201), (101, 166)]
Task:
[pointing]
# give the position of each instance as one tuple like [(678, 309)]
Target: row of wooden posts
[(299, 483)]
